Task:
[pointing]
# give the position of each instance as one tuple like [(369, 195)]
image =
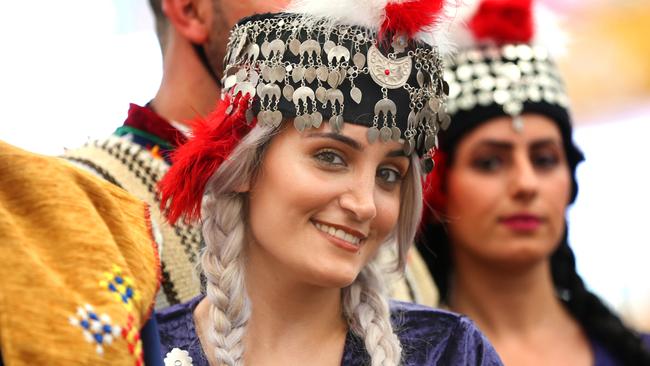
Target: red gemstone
[(387, 72)]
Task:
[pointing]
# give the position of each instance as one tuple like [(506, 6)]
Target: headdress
[(373, 63), (504, 67)]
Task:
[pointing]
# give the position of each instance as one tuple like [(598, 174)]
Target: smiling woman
[(296, 211)]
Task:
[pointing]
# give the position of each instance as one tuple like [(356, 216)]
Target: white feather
[(370, 15), (546, 29), (365, 13)]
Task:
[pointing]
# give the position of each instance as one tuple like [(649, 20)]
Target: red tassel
[(214, 139), (503, 21), (433, 191), (410, 17)]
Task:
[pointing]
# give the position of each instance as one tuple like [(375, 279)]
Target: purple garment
[(428, 337), (602, 357)]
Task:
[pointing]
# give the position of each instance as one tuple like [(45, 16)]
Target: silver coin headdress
[(344, 62), (504, 65)]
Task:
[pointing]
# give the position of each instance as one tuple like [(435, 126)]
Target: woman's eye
[(329, 157), (388, 175), (545, 161), (488, 164)]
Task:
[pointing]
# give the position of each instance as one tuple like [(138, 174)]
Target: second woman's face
[(323, 203), (508, 191)]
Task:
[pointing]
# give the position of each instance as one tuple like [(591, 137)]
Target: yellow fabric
[(64, 235)]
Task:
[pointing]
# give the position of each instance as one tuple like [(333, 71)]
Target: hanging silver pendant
[(397, 134), (356, 95), (316, 119), (277, 47), (310, 47), (321, 94), (336, 123), (385, 133), (338, 53), (328, 45), (322, 73), (266, 49), (299, 123), (287, 92), (385, 106), (333, 79), (409, 146), (275, 118), (412, 120), (297, 74), (373, 133), (294, 47), (359, 60), (310, 74)]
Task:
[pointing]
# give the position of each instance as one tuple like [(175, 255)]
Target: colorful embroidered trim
[(96, 328), (121, 286), (131, 334)]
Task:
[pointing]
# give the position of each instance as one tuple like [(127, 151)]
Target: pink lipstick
[(522, 222)]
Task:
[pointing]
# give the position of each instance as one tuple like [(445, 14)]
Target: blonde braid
[(223, 265), (367, 310)]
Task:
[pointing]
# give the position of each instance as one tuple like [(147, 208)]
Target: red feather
[(410, 17), (503, 21), (214, 139), (434, 190)]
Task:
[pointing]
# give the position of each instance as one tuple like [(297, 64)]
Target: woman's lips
[(343, 237), (522, 222)]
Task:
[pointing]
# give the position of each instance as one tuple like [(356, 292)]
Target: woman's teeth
[(338, 233)]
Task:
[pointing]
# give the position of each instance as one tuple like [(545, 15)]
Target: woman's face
[(508, 192), (322, 203)]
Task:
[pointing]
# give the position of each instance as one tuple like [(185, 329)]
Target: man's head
[(215, 17)]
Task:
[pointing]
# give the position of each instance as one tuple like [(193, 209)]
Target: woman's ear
[(190, 18)]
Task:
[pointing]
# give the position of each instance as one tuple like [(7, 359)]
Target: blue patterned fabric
[(428, 337)]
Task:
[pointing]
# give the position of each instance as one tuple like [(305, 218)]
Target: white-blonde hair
[(365, 304)]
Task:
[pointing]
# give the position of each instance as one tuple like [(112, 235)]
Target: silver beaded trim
[(508, 76)]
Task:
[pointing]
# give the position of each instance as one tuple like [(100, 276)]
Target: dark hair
[(591, 313)]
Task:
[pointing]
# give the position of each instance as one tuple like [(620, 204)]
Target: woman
[(295, 210), (496, 241)]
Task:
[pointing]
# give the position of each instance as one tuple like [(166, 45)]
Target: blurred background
[(70, 68)]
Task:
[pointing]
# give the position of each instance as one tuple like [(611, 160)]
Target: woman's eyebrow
[(338, 137), (396, 154), (545, 142)]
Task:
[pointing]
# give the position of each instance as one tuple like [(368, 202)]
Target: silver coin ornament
[(385, 133), (373, 134)]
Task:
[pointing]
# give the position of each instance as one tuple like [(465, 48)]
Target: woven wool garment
[(135, 169), (80, 266)]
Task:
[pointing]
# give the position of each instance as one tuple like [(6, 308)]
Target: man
[(193, 35)]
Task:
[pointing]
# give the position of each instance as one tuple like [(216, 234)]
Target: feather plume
[(392, 15), (410, 17), (545, 26), (214, 139)]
